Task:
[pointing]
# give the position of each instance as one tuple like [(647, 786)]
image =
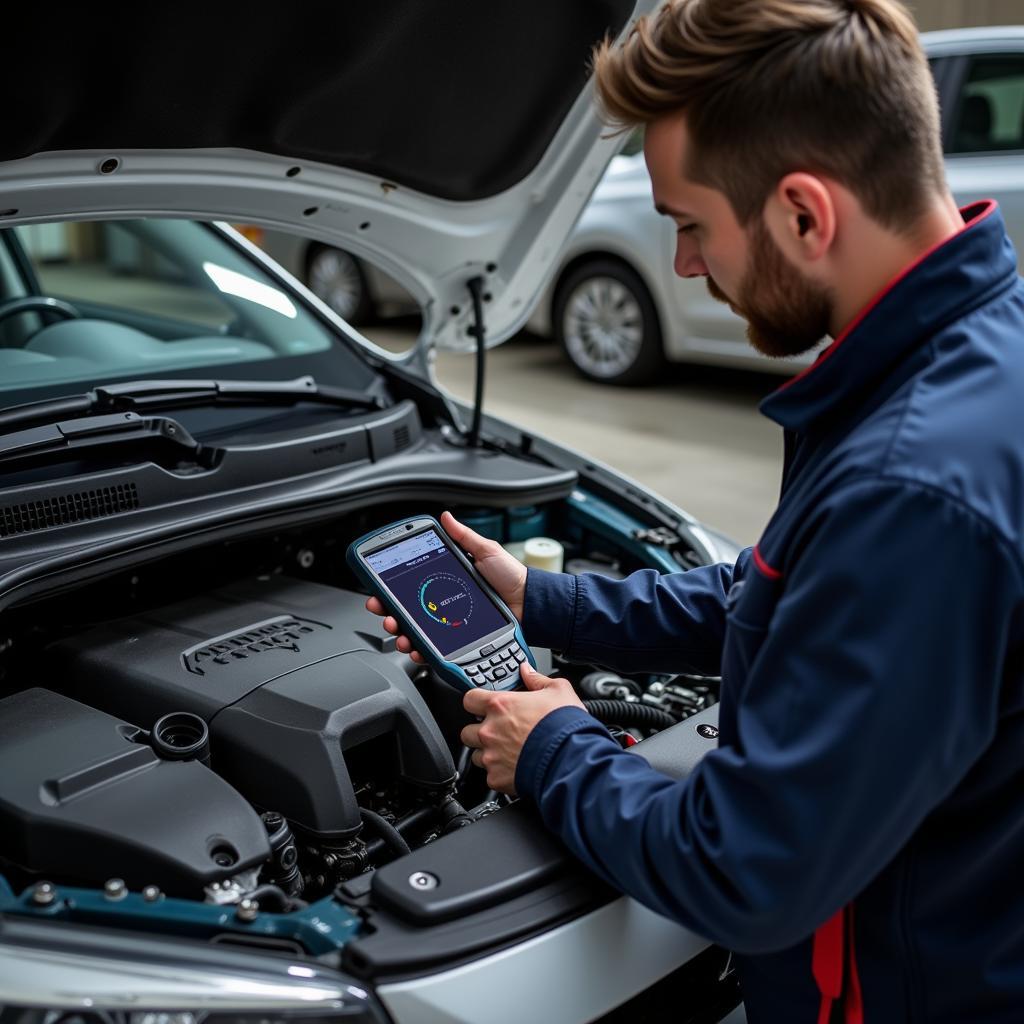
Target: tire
[(604, 319), (336, 277)]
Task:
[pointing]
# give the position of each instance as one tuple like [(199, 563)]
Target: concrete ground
[(696, 438)]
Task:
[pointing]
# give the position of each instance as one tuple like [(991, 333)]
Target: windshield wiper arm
[(78, 435), (134, 396)]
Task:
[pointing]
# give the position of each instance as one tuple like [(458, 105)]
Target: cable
[(622, 712)]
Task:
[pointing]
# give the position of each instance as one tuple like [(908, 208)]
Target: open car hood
[(439, 141)]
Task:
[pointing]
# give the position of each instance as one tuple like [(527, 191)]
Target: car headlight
[(83, 976)]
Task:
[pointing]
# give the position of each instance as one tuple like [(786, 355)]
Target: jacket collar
[(945, 283)]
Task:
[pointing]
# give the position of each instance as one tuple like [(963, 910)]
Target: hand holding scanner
[(453, 616)]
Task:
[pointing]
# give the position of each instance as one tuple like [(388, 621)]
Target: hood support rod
[(475, 286)]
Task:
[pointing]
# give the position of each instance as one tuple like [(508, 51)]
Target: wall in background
[(932, 14)]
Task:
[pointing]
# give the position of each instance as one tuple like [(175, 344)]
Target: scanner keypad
[(495, 663)]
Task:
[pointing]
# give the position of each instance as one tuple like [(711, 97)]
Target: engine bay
[(233, 730)]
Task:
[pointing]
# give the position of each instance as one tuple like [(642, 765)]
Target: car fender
[(594, 239)]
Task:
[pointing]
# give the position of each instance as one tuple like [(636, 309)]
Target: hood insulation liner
[(458, 99)]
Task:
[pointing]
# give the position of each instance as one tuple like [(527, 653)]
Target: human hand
[(508, 717), (506, 574)]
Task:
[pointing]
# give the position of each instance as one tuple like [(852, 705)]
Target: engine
[(261, 740), (81, 791), (174, 732)]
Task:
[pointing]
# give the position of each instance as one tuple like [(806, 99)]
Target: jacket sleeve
[(875, 689), (648, 622)]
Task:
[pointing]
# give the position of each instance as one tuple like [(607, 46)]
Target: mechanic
[(857, 837)]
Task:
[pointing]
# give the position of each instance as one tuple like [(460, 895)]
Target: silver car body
[(620, 222)]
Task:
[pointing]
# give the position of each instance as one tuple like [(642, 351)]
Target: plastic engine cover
[(81, 799), (290, 677)]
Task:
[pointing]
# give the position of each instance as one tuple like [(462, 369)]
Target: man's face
[(786, 313)]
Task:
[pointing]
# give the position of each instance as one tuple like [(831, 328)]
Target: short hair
[(840, 88)]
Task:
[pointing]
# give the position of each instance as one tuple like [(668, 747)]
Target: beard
[(786, 314)]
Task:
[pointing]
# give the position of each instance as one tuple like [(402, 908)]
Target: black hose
[(476, 287), (414, 820), (273, 898), (453, 815), (467, 753), (387, 832), (625, 712)]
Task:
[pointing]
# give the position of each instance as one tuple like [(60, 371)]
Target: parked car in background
[(354, 288), (620, 312)]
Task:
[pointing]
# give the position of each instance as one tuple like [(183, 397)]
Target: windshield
[(145, 298)]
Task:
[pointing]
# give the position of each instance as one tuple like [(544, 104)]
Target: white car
[(619, 311), (224, 795)]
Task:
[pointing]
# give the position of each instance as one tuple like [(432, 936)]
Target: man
[(858, 835)]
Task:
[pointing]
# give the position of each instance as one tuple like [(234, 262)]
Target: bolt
[(151, 894), (43, 894), (423, 880), (115, 889), (248, 909)]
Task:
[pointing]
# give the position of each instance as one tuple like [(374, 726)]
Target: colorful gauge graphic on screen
[(446, 598)]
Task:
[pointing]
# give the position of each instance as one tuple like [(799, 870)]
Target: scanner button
[(489, 649)]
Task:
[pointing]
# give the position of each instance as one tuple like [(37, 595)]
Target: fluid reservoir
[(543, 553)]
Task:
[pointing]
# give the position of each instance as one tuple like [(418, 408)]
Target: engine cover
[(81, 798), (289, 676)]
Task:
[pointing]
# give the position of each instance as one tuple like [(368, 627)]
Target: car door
[(700, 327), (983, 102)]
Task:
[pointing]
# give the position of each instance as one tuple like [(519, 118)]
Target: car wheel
[(605, 320), (336, 277)]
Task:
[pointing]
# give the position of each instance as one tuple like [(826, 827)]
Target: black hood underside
[(455, 98)]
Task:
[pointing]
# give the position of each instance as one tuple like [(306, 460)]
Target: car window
[(120, 267), (139, 296), (990, 112)]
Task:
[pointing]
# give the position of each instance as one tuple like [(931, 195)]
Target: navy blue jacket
[(871, 649)]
